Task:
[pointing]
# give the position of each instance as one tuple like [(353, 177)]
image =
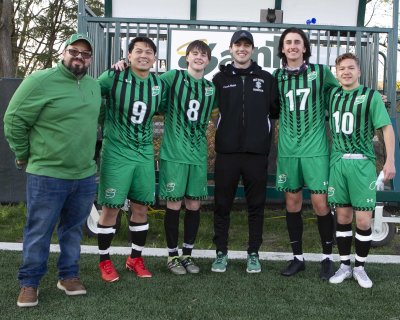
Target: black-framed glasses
[(75, 53)]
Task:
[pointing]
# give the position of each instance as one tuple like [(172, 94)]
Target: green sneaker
[(219, 265), (253, 263), (188, 263), (174, 265)]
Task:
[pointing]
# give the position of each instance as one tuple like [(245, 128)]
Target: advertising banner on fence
[(265, 49), (265, 45)]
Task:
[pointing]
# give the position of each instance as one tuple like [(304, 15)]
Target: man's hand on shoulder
[(121, 65)]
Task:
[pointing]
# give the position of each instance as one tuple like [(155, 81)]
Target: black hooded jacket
[(246, 99)]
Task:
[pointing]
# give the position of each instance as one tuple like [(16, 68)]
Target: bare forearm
[(389, 168)]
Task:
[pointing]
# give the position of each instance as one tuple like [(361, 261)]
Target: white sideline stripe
[(198, 253)]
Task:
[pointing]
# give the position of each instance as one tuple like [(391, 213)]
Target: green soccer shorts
[(293, 174), (181, 180), (126, 179), (352, 183)]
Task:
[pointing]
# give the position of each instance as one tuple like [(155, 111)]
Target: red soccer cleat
[(108, 272), (137, 265)]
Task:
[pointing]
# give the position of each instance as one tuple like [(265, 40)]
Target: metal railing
[(111, 38)]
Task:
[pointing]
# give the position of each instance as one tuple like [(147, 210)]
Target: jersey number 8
[(193, 110)]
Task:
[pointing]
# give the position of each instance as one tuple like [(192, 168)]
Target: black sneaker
[(327, 270), (294, 266)]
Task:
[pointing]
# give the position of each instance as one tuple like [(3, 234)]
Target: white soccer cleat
[(362, 278), (343, 273)]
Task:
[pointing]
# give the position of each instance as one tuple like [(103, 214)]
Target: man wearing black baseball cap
[(242, 34), (246, 97)]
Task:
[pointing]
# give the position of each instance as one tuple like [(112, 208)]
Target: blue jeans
[(51, 201)]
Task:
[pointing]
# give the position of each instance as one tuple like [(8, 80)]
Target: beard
[(78, 70)]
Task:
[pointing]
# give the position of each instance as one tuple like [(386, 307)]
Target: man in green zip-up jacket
[(51, 125)]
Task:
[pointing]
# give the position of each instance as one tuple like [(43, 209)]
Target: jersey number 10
[(347, 123)]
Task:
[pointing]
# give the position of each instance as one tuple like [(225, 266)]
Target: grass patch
[(232, 295)]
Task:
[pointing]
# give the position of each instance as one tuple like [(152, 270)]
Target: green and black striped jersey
[(130, 105), (302, 118), (353, 117), (186, 116)]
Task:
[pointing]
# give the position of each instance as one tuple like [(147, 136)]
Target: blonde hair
[(347, 55)]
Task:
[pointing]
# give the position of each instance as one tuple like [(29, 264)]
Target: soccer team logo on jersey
[(312, 76), (331, 191), (110, 193), (209, 91), (359, 99), (155, 91)]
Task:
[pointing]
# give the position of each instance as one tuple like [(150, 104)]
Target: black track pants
[(252, 168)]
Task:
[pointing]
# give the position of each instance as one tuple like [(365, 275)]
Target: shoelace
[(362, 274), (189, 261), (174, 262), (341, 271), (253, 260), (220, 259), (139, 264), (74, 281), (108, 268), (28, 289)]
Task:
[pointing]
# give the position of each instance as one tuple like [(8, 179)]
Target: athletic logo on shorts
[(170, 186), (282, 178), (331, 191), (372, 185), (110, 193), (155, 91)]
